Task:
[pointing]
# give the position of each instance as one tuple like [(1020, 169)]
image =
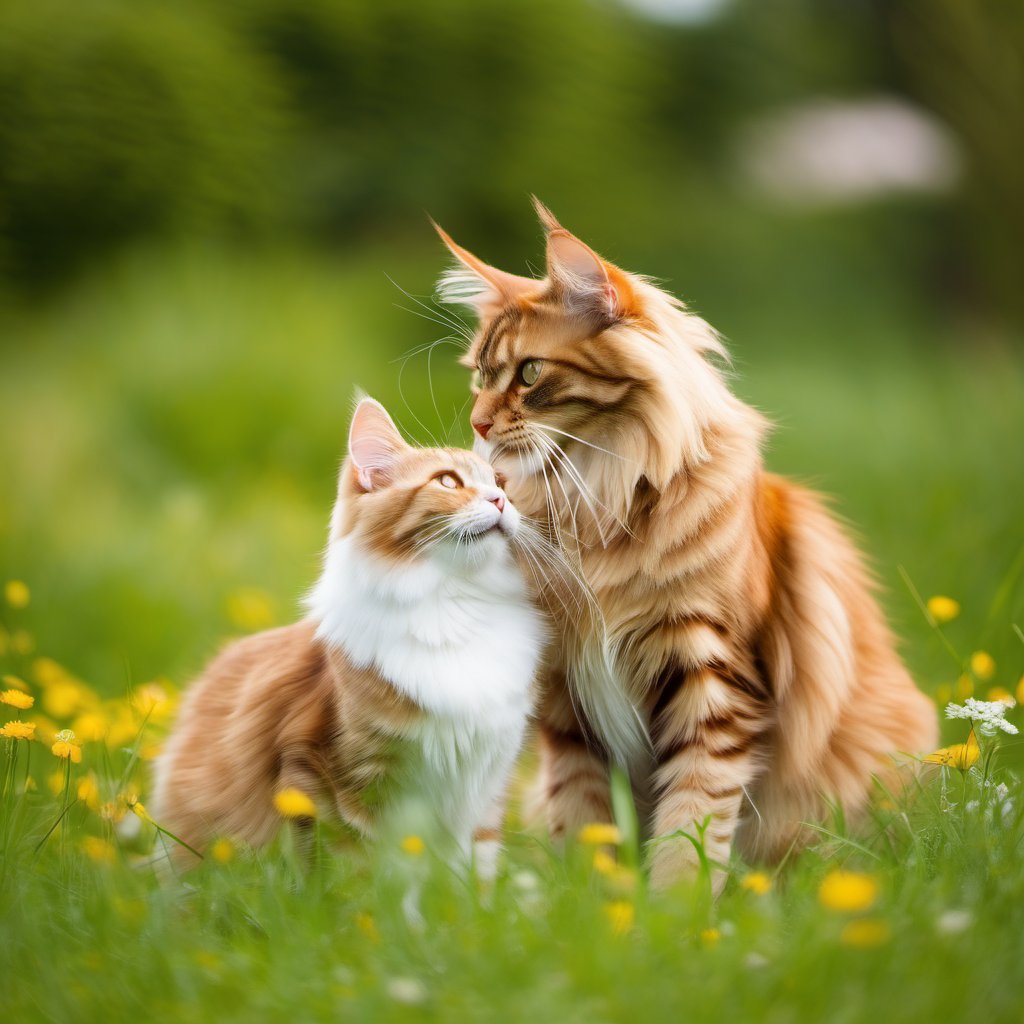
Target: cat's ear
[(548, 221), (584, 281), (374, 445), (475, 283)]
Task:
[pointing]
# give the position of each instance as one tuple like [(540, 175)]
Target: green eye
[(530, 371), (475, 380)]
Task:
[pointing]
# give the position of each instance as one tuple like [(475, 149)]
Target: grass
[(169, 433)]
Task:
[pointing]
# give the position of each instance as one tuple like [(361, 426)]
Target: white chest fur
[(461, 639)]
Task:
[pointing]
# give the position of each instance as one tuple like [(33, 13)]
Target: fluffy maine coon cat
[(413, 673), (740, 665)]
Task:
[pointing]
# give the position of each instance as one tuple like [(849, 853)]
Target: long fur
[(737, 624)]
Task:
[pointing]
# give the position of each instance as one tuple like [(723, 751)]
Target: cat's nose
[(482, 427), (499, 502)]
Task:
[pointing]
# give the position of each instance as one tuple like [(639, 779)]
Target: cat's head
[(406, 503), (588, 359)]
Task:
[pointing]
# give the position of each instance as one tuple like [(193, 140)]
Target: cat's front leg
[(574, 769), (708, 731)]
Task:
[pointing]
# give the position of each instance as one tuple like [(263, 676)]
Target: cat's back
[(259, 696)]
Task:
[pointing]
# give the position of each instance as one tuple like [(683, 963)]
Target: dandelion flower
[(16, 593), (99, 850), (65, 746), (983, 665), (19, 730), (710, 937), (250, 608), (847, 891), (293, 803), (943, 609), (600, 834), (89, 792), (413, 845), (605, 863), (621, 914), (865, 933), (1020, 691), (17, 699), (959, 755), (989, 715), (757, 882), (222, 851)]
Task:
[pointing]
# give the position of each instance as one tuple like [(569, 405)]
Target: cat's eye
[(449, 480), (475, 382), (530, 371)]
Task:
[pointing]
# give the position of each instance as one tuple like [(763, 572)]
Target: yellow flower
[(849, 891), (17, 699), (91, 726), (250, 608), (55, 782), (600, 834), (153, 702), (943, 609), (757, 882), (865, 933), (19, 730), (605, 863), (710, 937), (959, 755), (1000, 694), (16, 593), (223, 851), (16, 683), (366, 924), (983, 665), (964, 687), (89, 792), (48, 671), (413, 845), (138, 808), (621, 914), (1020, 691), (98, 849), (66, 747), (293, 803)]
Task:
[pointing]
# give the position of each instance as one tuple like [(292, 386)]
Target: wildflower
[(15, 683), (66, 747), (293, 803), (16, 593), (998, 693), (366, 924), (943, 609), (89, 792), (19, 730), (222, 851), (710, 937), (757, 882), (1020, 691), (67, 697), (983, 665), (91, 726), (55, 782), (413, 845), (960, 755), (964, 686), (865, 933), (621, 915), (605, 863), (48, 671), (153, 702), (17, 699), (847, 891), (250, 608), (138, 808), (953, 922), (600, 834), (408, 991), (989, 715), (98, 849)]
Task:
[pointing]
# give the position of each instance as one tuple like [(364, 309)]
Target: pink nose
[(499, 502), (482, 427)]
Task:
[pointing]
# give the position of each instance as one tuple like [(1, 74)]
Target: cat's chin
[(518, 465)]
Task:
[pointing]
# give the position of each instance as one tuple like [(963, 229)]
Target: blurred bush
[(118, 121)]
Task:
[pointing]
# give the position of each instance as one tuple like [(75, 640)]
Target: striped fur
[(400, 703), (737, 622)]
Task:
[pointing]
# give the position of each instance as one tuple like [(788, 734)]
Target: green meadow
[(170, 430)]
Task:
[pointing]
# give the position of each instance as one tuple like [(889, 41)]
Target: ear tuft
[(547, 219), (374, 444)]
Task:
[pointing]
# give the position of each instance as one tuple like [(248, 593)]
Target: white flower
[(988, 714), (953, 922), (409, 991)]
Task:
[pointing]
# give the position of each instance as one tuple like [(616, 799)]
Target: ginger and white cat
[(413, 674)]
